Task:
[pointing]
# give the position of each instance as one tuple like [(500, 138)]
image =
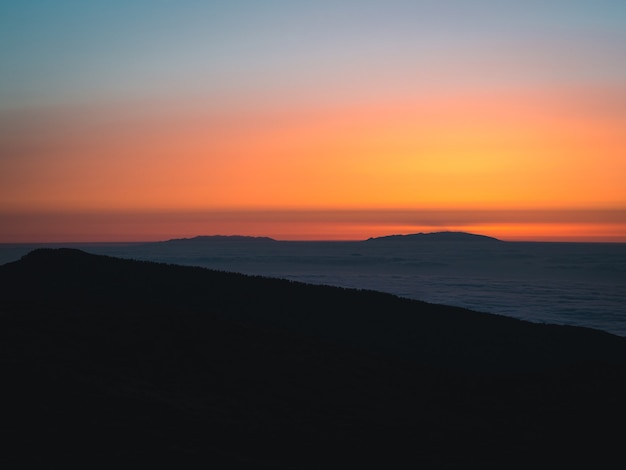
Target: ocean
[(581, 284)]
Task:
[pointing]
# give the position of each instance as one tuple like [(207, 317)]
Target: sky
[(152, 119)]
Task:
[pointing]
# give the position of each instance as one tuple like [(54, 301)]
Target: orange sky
[(456, 151), (331, 119), (470, 152)]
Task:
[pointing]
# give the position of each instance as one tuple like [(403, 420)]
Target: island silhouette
[(447, 236), (109, 360), (219, 238)]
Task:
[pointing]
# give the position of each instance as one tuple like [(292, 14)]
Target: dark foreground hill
[(116, 362)]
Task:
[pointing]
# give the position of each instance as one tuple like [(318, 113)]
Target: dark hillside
[(107, 360)]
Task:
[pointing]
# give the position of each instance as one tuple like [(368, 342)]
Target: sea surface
[(582, 284)]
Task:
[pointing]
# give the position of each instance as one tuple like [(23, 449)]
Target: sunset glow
[(264, 148)]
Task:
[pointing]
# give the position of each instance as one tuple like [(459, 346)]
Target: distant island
[(438, 236), (447, 236), (219, 238)]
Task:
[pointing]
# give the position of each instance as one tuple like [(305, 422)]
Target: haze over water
[(578, 284)]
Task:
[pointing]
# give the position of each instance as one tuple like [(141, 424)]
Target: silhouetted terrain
[(579, 284), (219, 238), (120, 362), (437, 237)]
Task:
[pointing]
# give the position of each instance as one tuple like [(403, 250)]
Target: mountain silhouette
[(106, 360), (437, 236), (219, 238)]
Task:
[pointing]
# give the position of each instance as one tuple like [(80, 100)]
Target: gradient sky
[(153, 119)]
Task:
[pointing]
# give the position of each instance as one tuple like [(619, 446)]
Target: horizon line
[(308, 240), (573, 225)]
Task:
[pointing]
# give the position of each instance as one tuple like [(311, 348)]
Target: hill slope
[(109, 359)]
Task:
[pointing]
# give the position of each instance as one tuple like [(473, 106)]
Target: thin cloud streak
[(547, 225)]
